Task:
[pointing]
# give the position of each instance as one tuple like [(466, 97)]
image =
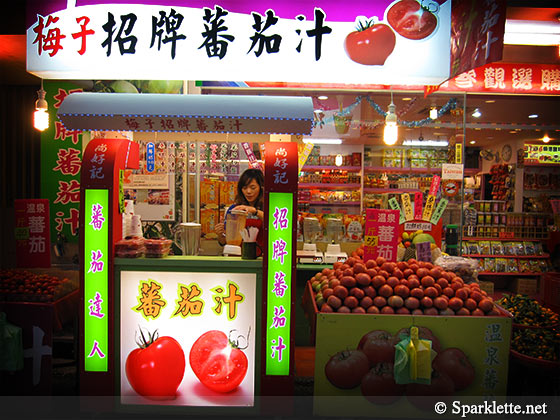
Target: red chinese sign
[(32, 233), (381, 234), (281, 167)]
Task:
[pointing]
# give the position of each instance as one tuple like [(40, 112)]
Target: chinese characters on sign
[(492, 361), (381, 234), (96, 279), (32, 233)]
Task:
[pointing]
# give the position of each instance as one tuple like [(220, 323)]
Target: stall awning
[(247, 114)]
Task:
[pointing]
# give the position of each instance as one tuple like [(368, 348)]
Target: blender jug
[(187, 238), (235, 223)]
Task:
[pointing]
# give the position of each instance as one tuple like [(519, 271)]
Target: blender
[(335, 232), (310, 253), (235, 223)]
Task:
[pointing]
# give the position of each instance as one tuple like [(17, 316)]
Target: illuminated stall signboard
[(279, 283), (96, 280)]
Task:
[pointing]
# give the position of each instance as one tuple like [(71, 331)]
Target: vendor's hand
[(220, 231), (247, 209)]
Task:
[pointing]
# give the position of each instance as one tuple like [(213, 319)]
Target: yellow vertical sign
[(407, 207), (429, 207), (459, 153), (303, 154)]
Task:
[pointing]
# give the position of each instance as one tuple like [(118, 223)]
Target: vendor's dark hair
[(246, 177)]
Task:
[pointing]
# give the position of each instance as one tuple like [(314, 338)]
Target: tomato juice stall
[(175, 311)]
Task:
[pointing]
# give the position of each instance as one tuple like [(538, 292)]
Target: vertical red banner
[(418, 203), (381, 235), (33, 238)]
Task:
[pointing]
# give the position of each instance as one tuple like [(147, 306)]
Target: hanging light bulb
[(433, 113), (391, 131), (41, 115), (338, 160)]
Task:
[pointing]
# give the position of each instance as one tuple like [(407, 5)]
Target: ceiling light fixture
[(322, 141), (318, 111), (533, 116), (322, 98), (530, 32), (546, 139), (41, 115), (476, 113), (473, 142), (391, 130)]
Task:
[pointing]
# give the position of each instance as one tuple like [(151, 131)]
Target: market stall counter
[(196, 319)]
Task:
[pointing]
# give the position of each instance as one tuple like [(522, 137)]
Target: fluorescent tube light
[(530, 32), (436, 143), (322, 141)]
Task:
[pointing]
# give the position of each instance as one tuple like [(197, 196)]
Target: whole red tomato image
[(456, 365), (370, 44), (410, 20), (378, 385), (378, 346), (346, 368), (218, 362), (156, 369)]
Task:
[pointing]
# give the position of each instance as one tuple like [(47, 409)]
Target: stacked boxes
[(215, 197)]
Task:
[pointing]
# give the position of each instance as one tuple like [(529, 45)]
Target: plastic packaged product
[(484, 247), (512, 266), (501, 265), (529, 248), (497, 248), (518, 247), (535, 266), (524, 266), (466, 268), (490, 265), (473, 248), (130, 248), (543, 265), (158, 247), (538, 248), (509, 248)]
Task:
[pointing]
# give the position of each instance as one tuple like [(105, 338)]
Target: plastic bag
[(466, 268), (11, 345), (413, 359)]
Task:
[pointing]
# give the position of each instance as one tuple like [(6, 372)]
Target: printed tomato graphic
[(378, 385), (378, 346), (156, 369), (370, 44), (346, 368), (410, 20), (218, 362), (456, 365)]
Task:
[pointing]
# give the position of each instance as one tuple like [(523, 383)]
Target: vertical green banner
[(96, 280), (61, 162), (279, 283)]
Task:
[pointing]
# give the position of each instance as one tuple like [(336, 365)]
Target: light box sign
[(303, 41), (189, 312), (279, 282), (96, 280)]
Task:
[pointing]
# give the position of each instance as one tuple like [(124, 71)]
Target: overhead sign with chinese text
[(304, 41), (33, 246), (541, 154), (190, 311), (96, 280)]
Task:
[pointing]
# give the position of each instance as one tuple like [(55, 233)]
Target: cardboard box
[(228, 191), (525, 286), (208, 220), (209, 193), (487, 286)]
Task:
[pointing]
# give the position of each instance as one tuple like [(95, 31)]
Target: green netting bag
[(11, 345), (413, 359)]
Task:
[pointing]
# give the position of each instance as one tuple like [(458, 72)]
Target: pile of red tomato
[(370, 366), (25, 286), (406, 288)]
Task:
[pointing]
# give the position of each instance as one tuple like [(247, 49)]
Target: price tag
[(407, 207), (430, 202), (371, 240), (424, 251), (438, 212), (458, 153), (394, 204), (418, 201)]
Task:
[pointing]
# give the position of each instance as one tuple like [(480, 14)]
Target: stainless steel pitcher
[(187, 238)]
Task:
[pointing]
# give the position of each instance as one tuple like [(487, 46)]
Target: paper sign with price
[(458, 153), (439, 211), (382, 231), (394, 204), (418, 201)]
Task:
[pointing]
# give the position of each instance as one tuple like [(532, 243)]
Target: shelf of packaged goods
[(528, 257), (478, 238), (310, 168), (328, 186), (542, 165), (391, 190), (517, 273), (326, 203), (376, 169)]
